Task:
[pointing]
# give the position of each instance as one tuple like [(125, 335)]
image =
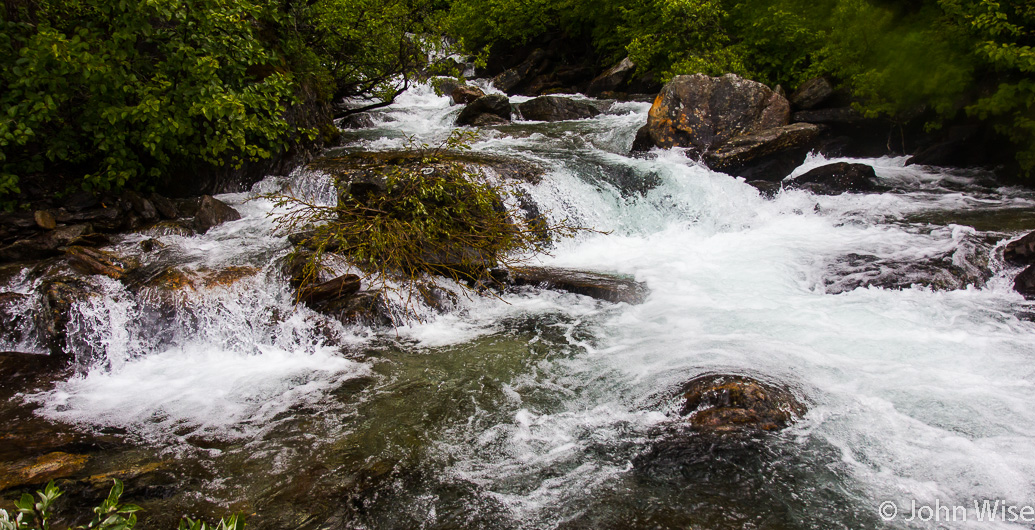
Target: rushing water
[(552, 410)]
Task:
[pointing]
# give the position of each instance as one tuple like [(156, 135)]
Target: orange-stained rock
[(732, 403), (40, 470)]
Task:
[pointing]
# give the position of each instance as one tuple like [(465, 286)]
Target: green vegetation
[(105, 94), (110, 515), (429, 214)]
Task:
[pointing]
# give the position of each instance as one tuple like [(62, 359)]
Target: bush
[(429, 216)]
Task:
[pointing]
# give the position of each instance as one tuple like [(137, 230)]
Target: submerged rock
[(213, 212), (837, 178), (493, 106), (721, 403), (610, 287), (554, 108), (41, 470)]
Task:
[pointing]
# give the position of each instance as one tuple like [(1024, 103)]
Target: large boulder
[(1021, 251), (701, 113), (770, 154), (213, 212), (612, 79), (494, 105), (720, 403), (554, 108), (837, 178)]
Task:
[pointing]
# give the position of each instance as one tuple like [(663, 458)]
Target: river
[(543, 409)]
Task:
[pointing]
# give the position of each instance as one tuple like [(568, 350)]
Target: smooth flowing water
[(551, 410)]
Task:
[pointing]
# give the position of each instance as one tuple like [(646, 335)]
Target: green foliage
[(121, 91), (430, 216), (110, 515)]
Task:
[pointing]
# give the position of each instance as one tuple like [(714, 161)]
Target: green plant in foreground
[(110, 515)]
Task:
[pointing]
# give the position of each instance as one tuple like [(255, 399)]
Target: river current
[(552, 410)]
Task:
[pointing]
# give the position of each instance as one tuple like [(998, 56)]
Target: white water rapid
[(553, 410)]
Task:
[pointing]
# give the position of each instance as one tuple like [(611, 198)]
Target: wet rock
[(1021, 251), (45, 219), (812, 93), (463, 95), (610, 287), (612, 79), (165, 207), (770, 154), (496, 105), (213, 212), (554, 108), (1024, 283), (227, 276), (700, 113), (360, 120), (141, 206), (176, 227), (337, 290), (642, 141), (41, 470), (59, 295), (365, 308), (28, 250), (840, 177), (487, 120), (719, 403), (963, 264), (93, 261)]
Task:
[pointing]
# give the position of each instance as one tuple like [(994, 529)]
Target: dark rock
[(767, 188), (165, 207), (700, 113), (543, 84), (610, 287), (213, 212), (45, 219), (970, 145), (360, 120), (1021, 251), (494, 104), (93, 261), (188, 207), (463, 95), (110, 217), (59, 295), (512, 78), (1024, 283), (642, 142), (840, 177), (28, 250), (81, 200), (612, 79), (553, 108), (141, 206), (719, 403), (836, 116), (487, 120), (779, 148), (337, 290), (175, 227), (40, 470), (812, 93)]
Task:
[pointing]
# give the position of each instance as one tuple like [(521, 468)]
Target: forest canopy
[(105, 94)]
